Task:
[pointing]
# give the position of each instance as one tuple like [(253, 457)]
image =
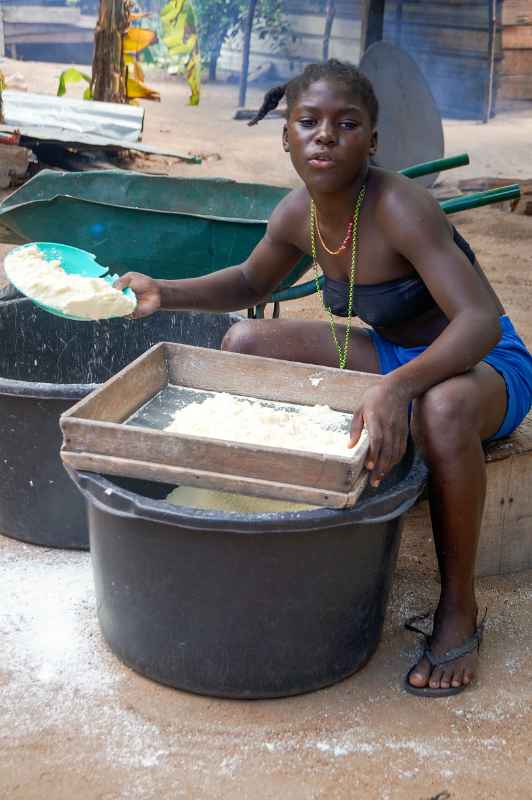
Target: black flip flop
[(436, 661)]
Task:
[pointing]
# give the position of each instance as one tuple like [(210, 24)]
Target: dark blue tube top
[(389, 303)]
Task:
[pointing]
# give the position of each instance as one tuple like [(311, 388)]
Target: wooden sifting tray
[(119, 428)]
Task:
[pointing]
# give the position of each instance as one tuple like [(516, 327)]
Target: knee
[(444, 419), (241, 338)]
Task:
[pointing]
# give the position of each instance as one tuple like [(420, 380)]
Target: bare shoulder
[(402, 202), (288, 215)]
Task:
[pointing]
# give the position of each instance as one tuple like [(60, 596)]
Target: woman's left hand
[(384, 414)]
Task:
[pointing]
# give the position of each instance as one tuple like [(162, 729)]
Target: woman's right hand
[(146, 290)]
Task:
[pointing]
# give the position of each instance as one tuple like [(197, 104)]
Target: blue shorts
[(509, 357)]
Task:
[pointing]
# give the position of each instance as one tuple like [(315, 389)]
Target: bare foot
[(452, 627)]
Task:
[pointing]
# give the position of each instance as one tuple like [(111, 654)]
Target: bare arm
[(417, 228), (229, 289)]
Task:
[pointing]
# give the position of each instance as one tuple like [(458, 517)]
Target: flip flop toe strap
[(456, 652), (411, 626)]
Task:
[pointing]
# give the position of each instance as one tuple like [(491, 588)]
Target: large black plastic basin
[(244, 605), (47, 364)]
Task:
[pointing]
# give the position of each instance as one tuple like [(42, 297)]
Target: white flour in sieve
[(316, 429)]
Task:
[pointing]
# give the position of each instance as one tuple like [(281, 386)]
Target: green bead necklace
[(342, 352)]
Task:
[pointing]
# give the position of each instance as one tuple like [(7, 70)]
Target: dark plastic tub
[(243, 605), (47, 364)]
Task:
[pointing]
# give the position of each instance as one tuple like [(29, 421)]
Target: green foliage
[(73, 75), (270, 21), (218, 19), (179, 35), (176, 49)]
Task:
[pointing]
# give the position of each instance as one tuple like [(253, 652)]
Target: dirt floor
[(77, 723)]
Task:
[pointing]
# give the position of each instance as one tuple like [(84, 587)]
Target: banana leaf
[(136, 88), (73, 75), (134, 69), (179, 35), (137, 39)]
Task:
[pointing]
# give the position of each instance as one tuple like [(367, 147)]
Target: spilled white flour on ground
[(69, 707), (316, 429), (55, 672), (47, 282)]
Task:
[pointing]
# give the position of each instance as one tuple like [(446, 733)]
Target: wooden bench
[(506, 537)]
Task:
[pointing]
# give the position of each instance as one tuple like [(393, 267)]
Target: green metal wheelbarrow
[(169, 227)]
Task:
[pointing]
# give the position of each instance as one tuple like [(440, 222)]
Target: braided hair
[(333, 70)]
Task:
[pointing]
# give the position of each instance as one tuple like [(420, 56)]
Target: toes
[(458, 678), (436, 678), (442, 677), (419, 675), (447, 678), (468, 677)]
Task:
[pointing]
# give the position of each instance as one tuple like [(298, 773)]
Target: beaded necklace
[(342, 352), (320, 237)]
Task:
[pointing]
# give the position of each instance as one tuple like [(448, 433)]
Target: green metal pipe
[(499, 195), (440, 165), (296, 292)]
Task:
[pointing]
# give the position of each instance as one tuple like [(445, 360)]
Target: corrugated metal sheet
[(80, 117), (44, 133)]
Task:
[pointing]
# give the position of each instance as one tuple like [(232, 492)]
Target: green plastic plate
[(75, 262)]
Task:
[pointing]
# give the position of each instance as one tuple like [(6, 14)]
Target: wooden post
[(372, 18), (492, 36), (2, 54), (398, 21), (245, 54), (2, 37), (330, 13)]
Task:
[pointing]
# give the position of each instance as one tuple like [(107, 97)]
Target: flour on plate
[(47, 282)]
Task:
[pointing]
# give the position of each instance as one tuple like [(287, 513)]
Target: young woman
[(438, 332)]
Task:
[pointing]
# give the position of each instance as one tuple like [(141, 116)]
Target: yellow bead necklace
[(342, 352)]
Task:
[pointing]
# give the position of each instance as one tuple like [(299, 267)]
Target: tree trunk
[(213, 60), (398, 22), (108, 71), (245, 54), (330, 13), (372, 17)]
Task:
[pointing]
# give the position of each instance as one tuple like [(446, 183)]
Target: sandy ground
[(76, 723)]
